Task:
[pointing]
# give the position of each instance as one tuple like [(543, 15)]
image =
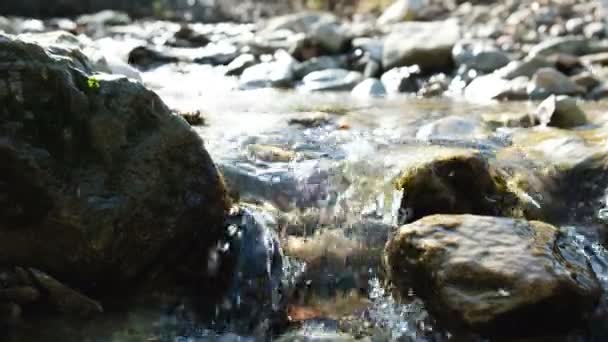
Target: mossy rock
[(454, 181), (99, 183)]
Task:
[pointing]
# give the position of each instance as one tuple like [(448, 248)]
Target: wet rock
[(271, 154), (426, 44), (489, 274), (402, 80), (560, 111), (370, 87), (64, 299), (311, 120), (586, 80), (453, 181), (240, 64), (547, 81), (331, 79), (318, 64), (259, 289), (479, 56), (510, 119), (401, 10), (320, 30), (278, 73), (104, 18), (187, 37), (559, 171), (80, 158), (217, 54), (146, 57), (451, 127)]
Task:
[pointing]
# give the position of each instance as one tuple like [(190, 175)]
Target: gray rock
[(595, 30), (401, 10), (489, 274), (239, 64), (331, 79), (217, 54), (575, 25), (564, 45), (278, 73), (80, 157), (494, 87), (426, 44), (402, 80), (322, 29), (528, 67), (104, 18), (479, 56), (373, 46), (561, 111), (547, 81), (586, 80), (147, 57), (318, 64), (450, 127), (371, 87)]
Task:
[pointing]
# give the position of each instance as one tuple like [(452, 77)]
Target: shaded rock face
[(494, 276), (454, 182), (99, 182)]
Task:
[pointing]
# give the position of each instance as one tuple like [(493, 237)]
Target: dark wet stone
[(64, 299), (145, 57), (453, 181), (97, 166), (490, 274)]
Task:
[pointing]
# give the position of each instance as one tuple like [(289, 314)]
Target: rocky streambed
[(434, 174)]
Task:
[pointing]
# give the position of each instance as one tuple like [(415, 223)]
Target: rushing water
[(339, 170)]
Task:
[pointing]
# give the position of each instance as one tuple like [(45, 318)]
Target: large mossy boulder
[(99, 183), (494, 276)]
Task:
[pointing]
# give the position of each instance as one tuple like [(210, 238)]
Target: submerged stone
[(494, 276), (561, 111)]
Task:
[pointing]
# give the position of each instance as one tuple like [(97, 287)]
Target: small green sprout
[(93, 83)]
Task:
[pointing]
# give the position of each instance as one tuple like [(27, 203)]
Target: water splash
[(397, 320)]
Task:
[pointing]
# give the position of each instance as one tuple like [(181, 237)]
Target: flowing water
[(331, 176)]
